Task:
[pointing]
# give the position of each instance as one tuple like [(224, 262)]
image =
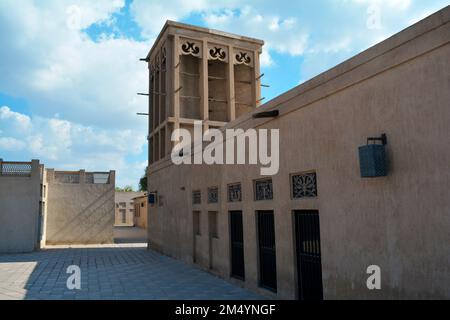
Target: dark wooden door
[(267, 253), (237, 245), (309, 264)]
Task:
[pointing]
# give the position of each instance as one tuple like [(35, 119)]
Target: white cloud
[(20, 121), (331, 47), (333, 29), (11, 144), (397, 4), (151, 15), (281, 34), (62, 70), (265, 59), (92, 85), (67, 145)]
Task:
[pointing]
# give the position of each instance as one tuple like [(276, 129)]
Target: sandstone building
[(125, 208), (141, 211), (312, 230)]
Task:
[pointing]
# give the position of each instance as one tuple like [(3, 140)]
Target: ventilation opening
[(243, 89), (162, 96), (217, 91), (190, 83)]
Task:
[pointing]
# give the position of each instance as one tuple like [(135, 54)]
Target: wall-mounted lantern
[(372, 158)]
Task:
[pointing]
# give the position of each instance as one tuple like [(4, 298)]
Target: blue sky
[(70, 69)]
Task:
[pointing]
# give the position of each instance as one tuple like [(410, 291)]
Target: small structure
[(124, 208), (80, 207), (140, 211)]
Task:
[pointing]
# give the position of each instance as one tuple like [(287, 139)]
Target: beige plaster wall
[(141, 212), (79, 213), (127, 198), (19, 211)]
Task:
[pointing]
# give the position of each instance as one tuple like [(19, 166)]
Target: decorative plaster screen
[(213, 195), (263, 190), (15, 168), (191, 47), (235, 193), (304, 186)]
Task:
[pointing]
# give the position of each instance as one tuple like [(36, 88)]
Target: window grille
[(304, 186), (263, 190), (213, 195), (235, 193)]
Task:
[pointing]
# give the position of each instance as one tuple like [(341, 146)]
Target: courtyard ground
[(119, 271), (130, 235)]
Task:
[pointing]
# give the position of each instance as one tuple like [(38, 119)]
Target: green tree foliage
[(143, 182), (125, 189)]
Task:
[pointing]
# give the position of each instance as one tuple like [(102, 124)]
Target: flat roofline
[(139, 197), (170, 23), (78, 171), (416, 30), (135, 192)]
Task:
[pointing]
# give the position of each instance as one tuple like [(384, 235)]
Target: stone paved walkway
[(130, 235), (109, 272)]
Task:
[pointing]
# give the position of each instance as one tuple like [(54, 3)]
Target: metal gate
[(267, 253), (237, 245), (309, 265)]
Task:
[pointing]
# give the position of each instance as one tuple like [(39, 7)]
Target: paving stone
[(118, 272)]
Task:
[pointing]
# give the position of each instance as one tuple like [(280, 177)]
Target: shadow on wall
[(91, 224)]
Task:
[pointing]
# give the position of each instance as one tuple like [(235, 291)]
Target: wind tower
[(199, 74)]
